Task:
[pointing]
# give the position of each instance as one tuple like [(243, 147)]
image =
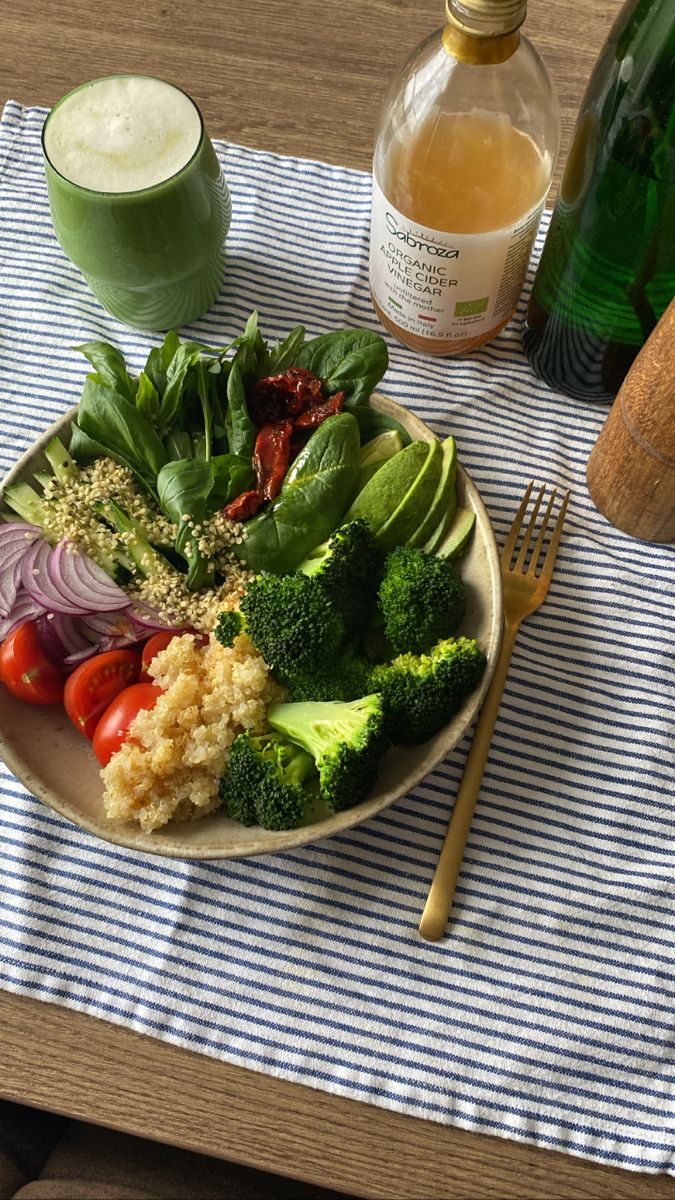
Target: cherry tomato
[(113, 727), (95, 683), (25, 669), (158, 641)]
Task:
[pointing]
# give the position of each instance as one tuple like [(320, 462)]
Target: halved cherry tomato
[(95, 683), (25, 669), (113, 727), (158, 641)]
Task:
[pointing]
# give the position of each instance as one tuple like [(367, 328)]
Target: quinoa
[(180, 748)]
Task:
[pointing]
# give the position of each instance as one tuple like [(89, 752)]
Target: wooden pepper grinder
[(631, 468)]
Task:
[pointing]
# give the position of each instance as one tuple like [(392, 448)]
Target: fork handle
[(439, 901)]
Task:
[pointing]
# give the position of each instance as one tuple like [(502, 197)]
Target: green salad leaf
[(109, 367), (183, 488), (282, 355), (125, 433), (372, 423), (232, 475), (159, 359), (349, 360), (147, 398), (314, 496), (239, 428)]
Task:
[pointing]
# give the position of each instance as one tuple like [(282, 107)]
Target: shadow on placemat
[(45, 1157)]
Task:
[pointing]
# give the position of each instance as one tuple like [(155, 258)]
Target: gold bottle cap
[(486, 18)]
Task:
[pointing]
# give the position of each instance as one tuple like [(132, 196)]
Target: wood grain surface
[(307, 78)]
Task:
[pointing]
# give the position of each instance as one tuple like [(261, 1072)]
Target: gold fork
[(524, 591)]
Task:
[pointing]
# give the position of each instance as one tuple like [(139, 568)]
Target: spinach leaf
[(187, 356), (121, 428), (349, 360), (371, 423), (178, 444), (183, 488), (199, 447), (203, 388), (240, 430), (85, 449), (147, 398), (282, 354), (232, 476), (314, 497), (109, 367), (218, 398), (251, 356), (159, 359)]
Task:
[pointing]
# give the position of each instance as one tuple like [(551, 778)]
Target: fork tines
[(517, 527)]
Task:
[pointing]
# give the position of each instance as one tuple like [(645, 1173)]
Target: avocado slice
[(443, 526), (444, 502), (377, 452), (415, 503), (381, 496), (458, 534)]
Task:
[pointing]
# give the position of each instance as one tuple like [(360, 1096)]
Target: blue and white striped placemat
[(546, 1015)]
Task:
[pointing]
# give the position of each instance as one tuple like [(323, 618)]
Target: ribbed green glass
[(607, 271)]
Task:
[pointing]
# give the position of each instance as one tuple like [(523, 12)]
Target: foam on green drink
[(123, 134)]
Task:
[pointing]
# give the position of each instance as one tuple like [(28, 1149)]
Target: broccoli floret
[(345, 739), (348, 566), (345, 678), (264, 781), (421, 693), (290, 621), (420, 598), (228, 626)]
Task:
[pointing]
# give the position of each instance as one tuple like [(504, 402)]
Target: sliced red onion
[(76, 576), (145, 618), (105, 643), (16, 573), (15, 552), (24, 609), (79, 656), (71, 634), (49, 639), (12, 552), (8, 590), (85, 578), (10, 580), (15, 531), (39, 584), (111, 625), (79, 611)]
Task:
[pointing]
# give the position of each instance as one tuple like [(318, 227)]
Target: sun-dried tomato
[(318, 413), (285, 408), (244, 506), (270, 458), (279, 396)]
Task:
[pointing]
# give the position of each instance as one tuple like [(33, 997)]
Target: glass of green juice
[(138, 200)]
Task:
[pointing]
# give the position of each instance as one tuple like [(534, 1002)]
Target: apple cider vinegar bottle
[(464, 154)]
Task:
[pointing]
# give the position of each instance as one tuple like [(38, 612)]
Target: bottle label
[(437, 284)]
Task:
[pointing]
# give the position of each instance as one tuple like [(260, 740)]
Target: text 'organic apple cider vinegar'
[(464, 154)]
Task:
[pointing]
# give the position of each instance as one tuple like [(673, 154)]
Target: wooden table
[(298, 77)]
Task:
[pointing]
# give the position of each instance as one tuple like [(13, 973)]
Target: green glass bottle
[(607, 271)]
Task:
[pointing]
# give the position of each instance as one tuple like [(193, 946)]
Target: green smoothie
[(138, 200)]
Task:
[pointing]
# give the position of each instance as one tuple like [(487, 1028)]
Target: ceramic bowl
[(45, 751)]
